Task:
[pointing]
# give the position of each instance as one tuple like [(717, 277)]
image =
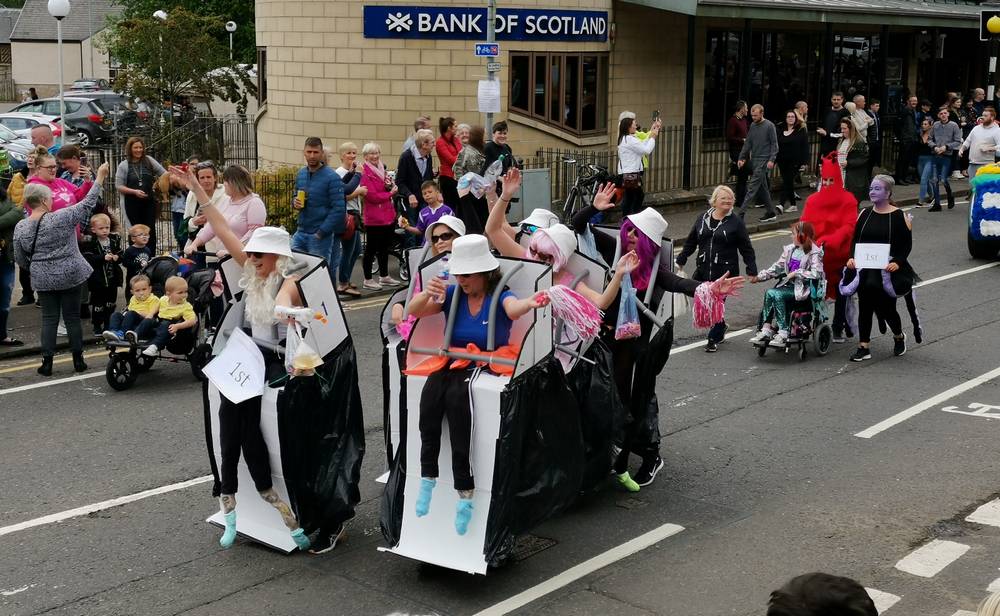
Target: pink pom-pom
[(709, 309), (578, 313)]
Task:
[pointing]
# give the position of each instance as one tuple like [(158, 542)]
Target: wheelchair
[(809, 324)]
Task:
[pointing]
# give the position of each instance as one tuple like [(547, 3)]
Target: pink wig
[(541, 243), (645, 248)]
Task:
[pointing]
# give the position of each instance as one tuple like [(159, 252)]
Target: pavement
[(680, 208)]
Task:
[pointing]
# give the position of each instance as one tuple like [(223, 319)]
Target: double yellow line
[(59, 359)]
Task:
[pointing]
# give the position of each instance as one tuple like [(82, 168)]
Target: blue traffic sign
[(488, 50)]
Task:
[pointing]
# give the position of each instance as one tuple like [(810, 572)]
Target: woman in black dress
[(793, 156)]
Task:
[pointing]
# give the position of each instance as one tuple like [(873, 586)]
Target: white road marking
[(882, 600), (701, 344), (583, 569), (69, 379), (928, 560), (971, 270), (14, 591), (994, 586), (108, 504), (988, 514), (933, 401)]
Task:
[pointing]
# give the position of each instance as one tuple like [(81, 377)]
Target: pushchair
[(399, 246), (125, 359), (808, 322)]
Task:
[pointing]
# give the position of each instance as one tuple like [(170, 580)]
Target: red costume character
[(833, 211)]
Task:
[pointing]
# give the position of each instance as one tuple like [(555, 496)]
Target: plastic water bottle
[(444, 275), (494, 171)]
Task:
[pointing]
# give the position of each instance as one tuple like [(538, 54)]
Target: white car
[(22, 123)]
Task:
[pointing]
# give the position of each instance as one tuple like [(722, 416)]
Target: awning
[(921, 13)]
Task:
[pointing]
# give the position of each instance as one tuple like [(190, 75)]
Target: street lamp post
[(60, 9), (230, 28)]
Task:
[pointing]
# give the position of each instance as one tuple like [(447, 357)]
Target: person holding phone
[(630, 156)]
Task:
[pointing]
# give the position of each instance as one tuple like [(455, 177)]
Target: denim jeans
[(6, 291), (942, 171), (131, 320), (925, 169), (350, 251), (327, 247)]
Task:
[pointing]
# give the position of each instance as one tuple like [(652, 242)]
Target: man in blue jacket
[(322, 214)]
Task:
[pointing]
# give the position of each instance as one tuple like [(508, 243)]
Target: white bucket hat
[(453, 223), (563, 237), (470, 254), (543, 219), (650, 223), (270, 240)]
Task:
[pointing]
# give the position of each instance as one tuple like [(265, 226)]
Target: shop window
[(568, 91), (261, 75)]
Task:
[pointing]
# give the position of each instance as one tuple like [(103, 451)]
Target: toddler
[(429, 215), (103, 250), (138, 254), (139, 318), (801, 262), (175, 315)]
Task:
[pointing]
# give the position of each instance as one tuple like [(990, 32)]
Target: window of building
[(261, 75), (113, 67), (565, 90)]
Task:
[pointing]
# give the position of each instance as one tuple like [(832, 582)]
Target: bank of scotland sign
[(470, 24)]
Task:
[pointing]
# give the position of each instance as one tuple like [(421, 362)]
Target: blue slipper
[(424, 497)]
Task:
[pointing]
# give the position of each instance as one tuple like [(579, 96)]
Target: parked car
[(21, 124), (16, 146), (84, 115), (86, 84)]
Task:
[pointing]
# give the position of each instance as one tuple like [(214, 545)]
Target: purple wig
[(645, 248)]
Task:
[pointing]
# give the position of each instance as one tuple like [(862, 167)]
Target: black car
[(86, 114)]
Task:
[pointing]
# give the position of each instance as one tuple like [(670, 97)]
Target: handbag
[(34, 240), (350, 226), (631, 181)]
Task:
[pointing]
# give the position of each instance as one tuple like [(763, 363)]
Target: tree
[(165, 60), (239, 11)]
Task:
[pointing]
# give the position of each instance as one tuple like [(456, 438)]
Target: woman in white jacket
[(630, 153)]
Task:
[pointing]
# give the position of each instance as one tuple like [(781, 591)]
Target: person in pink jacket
[(379, 215), (242, 208), (64, 194)]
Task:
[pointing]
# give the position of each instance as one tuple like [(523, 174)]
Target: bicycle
[(589, 178)]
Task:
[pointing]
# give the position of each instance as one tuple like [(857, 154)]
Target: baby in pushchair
[(166, 313), (799, 268)]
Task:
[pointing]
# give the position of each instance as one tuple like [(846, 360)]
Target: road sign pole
[(491, 37)]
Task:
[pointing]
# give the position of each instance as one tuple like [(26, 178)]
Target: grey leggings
[(67, 303)]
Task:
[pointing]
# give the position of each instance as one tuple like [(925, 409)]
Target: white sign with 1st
[(871, 256), (238, 371)]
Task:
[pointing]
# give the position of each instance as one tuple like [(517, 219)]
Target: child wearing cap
[(175, 315)]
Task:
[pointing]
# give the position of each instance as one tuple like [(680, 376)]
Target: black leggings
[(102, 302), (625, 354), (449, 190), (446, 395), (788, 171), (632, 200), (239, 428), (378, 240), (876, 302), (65, 302)]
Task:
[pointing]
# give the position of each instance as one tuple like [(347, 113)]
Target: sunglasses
[(531, 228), (255, 255), (444, 237)]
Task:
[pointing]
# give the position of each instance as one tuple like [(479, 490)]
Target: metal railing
[(710, 163)]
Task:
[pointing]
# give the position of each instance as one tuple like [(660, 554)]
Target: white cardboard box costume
[(257, 519), (432, 538)]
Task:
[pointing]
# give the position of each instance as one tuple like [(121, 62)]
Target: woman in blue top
[(446, 392)]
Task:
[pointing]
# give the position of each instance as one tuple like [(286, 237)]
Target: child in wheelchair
[(799, 268)]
